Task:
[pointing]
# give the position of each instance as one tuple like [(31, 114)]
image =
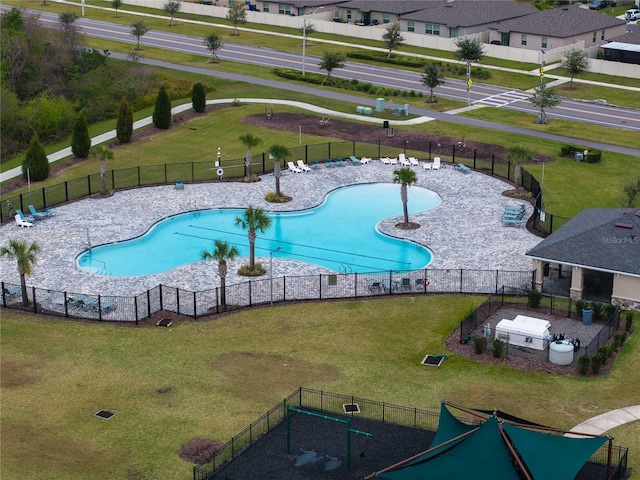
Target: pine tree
[(124, 125), (80, 139), (162, 112), (199, 97), (35, 161)]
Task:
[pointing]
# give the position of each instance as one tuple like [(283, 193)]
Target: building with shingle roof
[(451, 19), (558, 27), (600, 247), (625, 48)]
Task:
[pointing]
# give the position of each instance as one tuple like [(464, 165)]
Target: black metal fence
[(207, 171), (476, 321), (327, 402), (113, 308)]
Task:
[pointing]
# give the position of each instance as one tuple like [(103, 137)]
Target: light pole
[(271, 271), (304, 40), (219, 155)]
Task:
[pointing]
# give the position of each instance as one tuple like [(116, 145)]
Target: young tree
[(576, 62), (138, 30), (544, 98), (26, 256), (631, 194), (124, 124), (162, 111), (67, 19), (171, 7), (255, 221), (237, 15), (392, 38), (249, 140), (432, 78), (405, 177), (80, 139), (279, 154), (518, 154), (213, 42), (103, 153), (198, 97), (116, 4), (35, 161), (470, 51), (331, 61), (222, 252)]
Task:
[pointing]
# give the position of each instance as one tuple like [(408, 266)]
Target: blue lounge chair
[(315, 165), (36, 213), (514, 223), (25, 218), (329, 163), (10, 293), (179, 185), (340, 162), (354, 160)]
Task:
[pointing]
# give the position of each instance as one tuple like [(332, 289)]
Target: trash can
[(586, 316), (380, 105)]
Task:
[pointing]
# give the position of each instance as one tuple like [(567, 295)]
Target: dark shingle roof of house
[(311, 4), (468, 13), (599, 238), (630, 37), (560, 22), (394, 6)]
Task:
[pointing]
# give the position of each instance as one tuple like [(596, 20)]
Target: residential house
[(558, 27), (625, 49), (594, 256), (296, 8), (451, 19), (377, 12)]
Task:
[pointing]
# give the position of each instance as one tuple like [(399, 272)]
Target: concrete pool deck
[(465, 231)]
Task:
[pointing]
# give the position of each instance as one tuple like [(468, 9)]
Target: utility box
[(380, 105)]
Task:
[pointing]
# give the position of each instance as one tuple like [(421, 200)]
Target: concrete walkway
[(607, 421)]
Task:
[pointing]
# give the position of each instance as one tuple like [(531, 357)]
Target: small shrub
[(535, 297), (628, 324), (597, 309), (605, 350), (609, 310), (620, 338), (498, 348), (597, 361), (579, 306), (479, 344), (584, 362), (256, 272)]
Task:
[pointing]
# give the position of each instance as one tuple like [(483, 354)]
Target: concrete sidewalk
[(607, 421)]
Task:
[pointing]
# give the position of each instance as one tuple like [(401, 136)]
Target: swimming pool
[(339, 234)]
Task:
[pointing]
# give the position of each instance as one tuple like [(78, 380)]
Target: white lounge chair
[(427, 165), (385, 160), (414, 161), (365, 160), (403, 160), (303, 167), (293, 168), (393, 161), (22, 223), (436, 163)]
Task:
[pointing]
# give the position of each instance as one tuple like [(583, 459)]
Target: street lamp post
[(271, 271), (219, 155), (304, 40)]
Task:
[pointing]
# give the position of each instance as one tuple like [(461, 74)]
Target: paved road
[(482, 95)]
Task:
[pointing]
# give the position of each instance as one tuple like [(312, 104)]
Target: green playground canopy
[(495, 450)]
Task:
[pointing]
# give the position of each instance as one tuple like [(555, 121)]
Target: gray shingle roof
[(311, 4), (560, 22), (385, 6), (468, 13), (595, 238), (629, 37)]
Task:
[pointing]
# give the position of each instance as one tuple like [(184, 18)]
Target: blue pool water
[(340, 234)]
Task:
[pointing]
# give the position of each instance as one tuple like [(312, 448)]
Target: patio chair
[(385, 160), (436, 163), (403, 160), (427, 165), (374, 285), (10, 293), (315, 165), (340, 162), (354, 160), (179, 185), (405, 284), (329, 163), (25, 218), (365, 160), (393, 160), (37, 214), (22, 223), (414, 161), (302, 166), (293, 168)]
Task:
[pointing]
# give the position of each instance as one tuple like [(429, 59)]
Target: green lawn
[(212, 378)]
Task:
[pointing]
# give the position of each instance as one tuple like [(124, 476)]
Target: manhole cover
[(351, 408), (104, 414)]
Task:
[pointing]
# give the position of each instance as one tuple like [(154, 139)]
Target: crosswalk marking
[(502, 99)]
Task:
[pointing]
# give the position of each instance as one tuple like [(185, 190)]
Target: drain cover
[(165, 322), (432, 360), (351, 408), (106, 414)]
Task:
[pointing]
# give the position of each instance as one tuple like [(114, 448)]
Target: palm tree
[(249, 140), (221, 253), (138, 30), (26, 257), (405, 177), (254, 220), (103, 153), (279, 154), (518, 154)]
